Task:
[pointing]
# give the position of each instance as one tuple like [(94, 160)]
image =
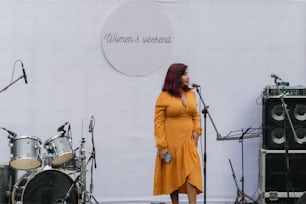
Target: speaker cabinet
[(302, 199), (276, 127), (274, 182), (274, 170)]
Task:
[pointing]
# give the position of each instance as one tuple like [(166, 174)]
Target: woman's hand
[(162, 153), (195, 137)]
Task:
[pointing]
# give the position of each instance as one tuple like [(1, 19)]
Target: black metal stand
[(235, 180), (13, 82), (205, 112), (245, 133), (241, 194), (93, 161), (286, 119)]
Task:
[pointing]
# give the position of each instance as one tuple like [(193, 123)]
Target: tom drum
[(60, 148), (25, 152)]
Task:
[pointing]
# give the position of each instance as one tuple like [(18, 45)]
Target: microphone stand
[(287, 118), (13, 82), (205, 112)]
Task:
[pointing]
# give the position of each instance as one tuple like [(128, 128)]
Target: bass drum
[(46, 187)]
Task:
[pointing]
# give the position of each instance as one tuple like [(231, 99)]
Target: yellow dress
[(173, 127)]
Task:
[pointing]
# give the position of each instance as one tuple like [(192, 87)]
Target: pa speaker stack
[(283, 152)]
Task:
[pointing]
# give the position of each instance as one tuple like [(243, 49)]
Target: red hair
[(173, 83)]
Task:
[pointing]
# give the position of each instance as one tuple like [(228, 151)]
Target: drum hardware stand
[(9, 193), (205, 112), (64, 201), (93, 152), (89, 195), (83, 170), (85, 195)]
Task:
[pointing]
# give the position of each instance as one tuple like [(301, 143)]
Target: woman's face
[(185, 78)]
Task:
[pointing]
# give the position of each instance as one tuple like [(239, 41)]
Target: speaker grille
[(275, 172), (276, 128)]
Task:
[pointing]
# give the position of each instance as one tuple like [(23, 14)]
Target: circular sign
[(137, 38)]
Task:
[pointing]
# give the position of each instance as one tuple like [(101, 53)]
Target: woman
[(177, 129)]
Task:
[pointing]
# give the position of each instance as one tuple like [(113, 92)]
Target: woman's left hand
[(195, 137)]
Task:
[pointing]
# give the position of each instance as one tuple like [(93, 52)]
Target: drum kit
[(55, 177)]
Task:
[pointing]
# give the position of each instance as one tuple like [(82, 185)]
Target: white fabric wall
[(231, 47)]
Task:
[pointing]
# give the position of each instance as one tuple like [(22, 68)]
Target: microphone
[(194, 85), (10, 132), (275, 77), (91, 124), (24, 73), (61, 128)]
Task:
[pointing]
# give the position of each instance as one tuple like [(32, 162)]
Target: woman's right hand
[(162, 153)]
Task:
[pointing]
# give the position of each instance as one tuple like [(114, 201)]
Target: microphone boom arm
[(13, 82), (206, 109)]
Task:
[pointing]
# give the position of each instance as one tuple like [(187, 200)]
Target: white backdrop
[(231, 47)]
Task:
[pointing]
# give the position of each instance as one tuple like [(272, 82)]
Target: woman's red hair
[(173, 83)]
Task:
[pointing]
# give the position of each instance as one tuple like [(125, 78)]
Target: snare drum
[(60, 148), (46, 187), (8, 178), (25, 152)]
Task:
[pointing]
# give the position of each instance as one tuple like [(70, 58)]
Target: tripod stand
[(241, 196), (236, 183), (241, 193)]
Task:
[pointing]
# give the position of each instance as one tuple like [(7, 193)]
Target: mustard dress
[(174, 123)]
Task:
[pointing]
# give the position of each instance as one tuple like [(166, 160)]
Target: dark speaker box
[(274, 170), (302, 199), (282, 201), (276, 127)]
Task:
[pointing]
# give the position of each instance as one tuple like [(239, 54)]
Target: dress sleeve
[(159, 122), (196, 119)]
